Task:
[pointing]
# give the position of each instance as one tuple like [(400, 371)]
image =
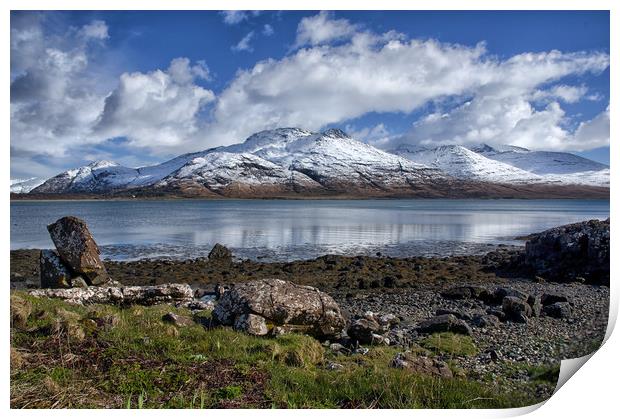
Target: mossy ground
[(67, 356)]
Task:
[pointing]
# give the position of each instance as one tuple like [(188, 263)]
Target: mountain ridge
[(293, 161)]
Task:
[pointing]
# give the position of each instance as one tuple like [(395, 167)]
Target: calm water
[(286, 230)]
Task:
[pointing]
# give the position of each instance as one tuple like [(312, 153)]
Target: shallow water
[(288, 230)]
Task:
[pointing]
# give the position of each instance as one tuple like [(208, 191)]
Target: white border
[(593, 390)]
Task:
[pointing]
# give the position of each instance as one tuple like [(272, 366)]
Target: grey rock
[(486, 320), (251, 324), (282, 303), (459, 314), (559, 310), (78, 250), (220, 254), (575, 250), (516, 309), (362, 330), (444, 323), (123, 296)]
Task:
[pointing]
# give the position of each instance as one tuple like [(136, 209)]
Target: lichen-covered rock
[(123, 296), (78, 250), (54, 273), (421, 365), (444, 323), (282, 303), (575, 250), (251, 324), (220, 254)]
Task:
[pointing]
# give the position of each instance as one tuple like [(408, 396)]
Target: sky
[(140, 87)]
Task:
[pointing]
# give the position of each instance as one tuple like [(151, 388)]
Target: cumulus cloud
[(53, 104), (385, 73), (233, 17), (322, 28), (155, 109), (244, 44)]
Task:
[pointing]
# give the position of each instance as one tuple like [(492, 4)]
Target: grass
[(102, 356), (450, 344)]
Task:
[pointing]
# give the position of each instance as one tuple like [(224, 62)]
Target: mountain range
[(292, 162)]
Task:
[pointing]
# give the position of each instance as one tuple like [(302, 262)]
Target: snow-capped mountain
[(25, 185), (509, 165), (287, 161), (280, 160), (463, 163)]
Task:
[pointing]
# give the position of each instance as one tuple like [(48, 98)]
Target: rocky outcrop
[(281, 304), (123, 296), (77, 250), (572, 251)]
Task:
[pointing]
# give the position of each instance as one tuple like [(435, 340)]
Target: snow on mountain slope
[(288, 156), (543, 162), (463, 163), (553, 167), (25, 185)]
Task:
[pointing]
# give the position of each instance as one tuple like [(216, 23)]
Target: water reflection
[(300, 229)]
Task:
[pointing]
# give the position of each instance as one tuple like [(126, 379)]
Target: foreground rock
[(123, 296), (572, 251), (78, 250), (280, 304)]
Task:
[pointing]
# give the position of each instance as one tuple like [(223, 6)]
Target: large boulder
[(576, 250), (78, 250), (444, 323), (281, 303)]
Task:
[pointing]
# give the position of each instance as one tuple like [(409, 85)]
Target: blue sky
[(140, 87)]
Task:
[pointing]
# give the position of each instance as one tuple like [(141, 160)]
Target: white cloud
[(568, 94), (244, 44), (268, 29), (233, 17), (157, 109), (592, 134), (321, 28), (53, 104), (377, 135), (330, 84), (97, 29)]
